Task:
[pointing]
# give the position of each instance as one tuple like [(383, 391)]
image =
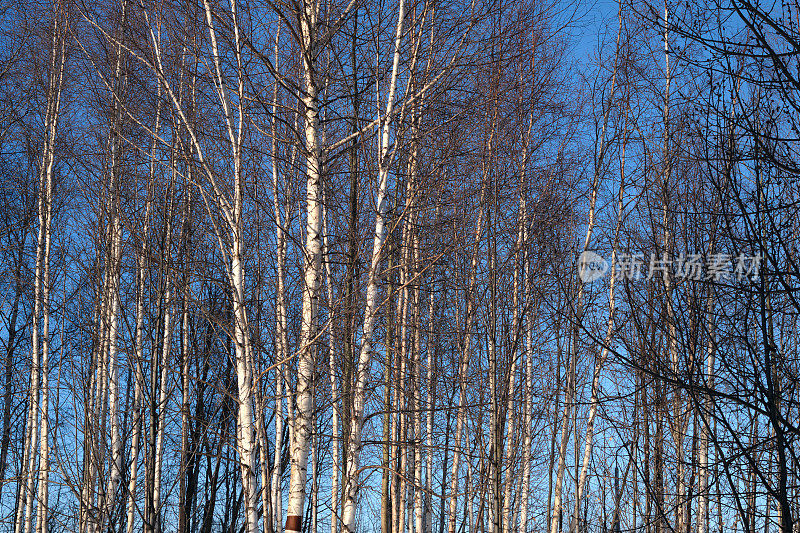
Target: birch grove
[(399, 266)]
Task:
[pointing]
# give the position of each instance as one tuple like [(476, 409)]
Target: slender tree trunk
[(312, 270), (594, 402), (465, 357), (38, 407), (281, 331), (371, 305), (707, 407), (138, 415)]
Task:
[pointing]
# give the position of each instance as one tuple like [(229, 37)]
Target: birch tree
[(38, 418)]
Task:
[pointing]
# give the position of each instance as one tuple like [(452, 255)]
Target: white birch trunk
[(38, 409), (703, 503), (139, 342), (114, 274), (281, 332), (162, 396), (371, 305), (522, 243), (594, 402), (335, 401), (139, 380), (419, 511), (527, 431), (431, 399), (312, 271), (466, 352)]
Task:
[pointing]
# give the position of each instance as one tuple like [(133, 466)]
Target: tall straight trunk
[(389, 415), (97, 435), (707, 406), (185, 380), (113, 285), (371, 305), (494, 415), (159, 383), (527, 318), (401, 394), (351, 275), (526, 425), (138, 382), (335, 401), (414, 282), (553, 433), (594, 402), (466, 349), (314, 474), (112, 380), (312, 270), (139, 336), (419, 509), (281, 331), (397, 411), (37, 426), (432, 362)]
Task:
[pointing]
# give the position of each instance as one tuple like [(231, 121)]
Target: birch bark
[(312, 269), (594, 402), (38, 398), (371, 305)]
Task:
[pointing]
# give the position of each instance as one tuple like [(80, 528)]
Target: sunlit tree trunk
[(335, 400), (466, 351), (37, 426), (159, 378), (113, 274), (311, 270), (706, 409), (372, 304), (281, 332), (138, 414), (594, 401)]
